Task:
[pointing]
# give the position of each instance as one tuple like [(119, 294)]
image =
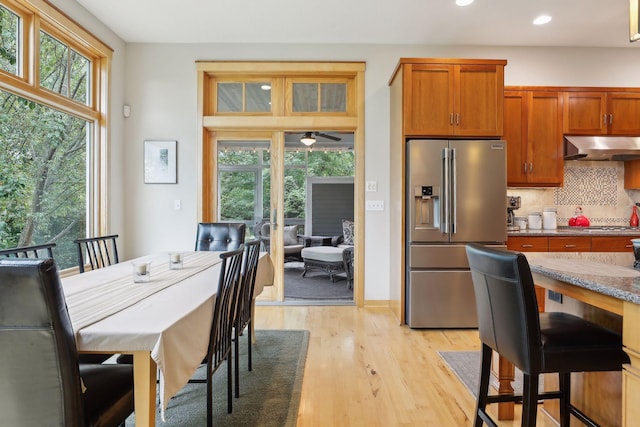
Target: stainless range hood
[(601, 147)]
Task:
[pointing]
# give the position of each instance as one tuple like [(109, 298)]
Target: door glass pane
[(229, 97), (43, 178), (237, 196), (305, 97), (294, 197), (258, 97), (334, 97), (9, 40), (241, 183)]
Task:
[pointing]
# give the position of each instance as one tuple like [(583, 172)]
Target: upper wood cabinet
[(452, 97), (607, 112), (533, 131)]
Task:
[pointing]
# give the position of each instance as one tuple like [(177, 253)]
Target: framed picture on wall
[(160, 162)]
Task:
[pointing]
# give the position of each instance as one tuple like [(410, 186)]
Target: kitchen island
[(609, 282)]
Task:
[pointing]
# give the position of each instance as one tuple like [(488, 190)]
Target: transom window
[(9, 50)]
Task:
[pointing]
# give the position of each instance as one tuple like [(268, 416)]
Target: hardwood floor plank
[(363, 369)]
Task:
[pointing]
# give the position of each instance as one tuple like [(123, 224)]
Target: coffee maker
[(513, 203)]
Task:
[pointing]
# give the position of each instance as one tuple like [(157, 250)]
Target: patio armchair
[(293, 242)]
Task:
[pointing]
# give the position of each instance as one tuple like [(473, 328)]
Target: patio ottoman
[(326, 258)]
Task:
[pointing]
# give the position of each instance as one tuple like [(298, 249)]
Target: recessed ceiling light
[(464, 2), (541, 20)]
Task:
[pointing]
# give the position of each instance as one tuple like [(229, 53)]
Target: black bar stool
[(536, 343)]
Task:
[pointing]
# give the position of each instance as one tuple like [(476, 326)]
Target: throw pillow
[(291, 235), (347, 231)]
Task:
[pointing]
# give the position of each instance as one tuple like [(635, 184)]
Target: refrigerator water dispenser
[(427, 207)]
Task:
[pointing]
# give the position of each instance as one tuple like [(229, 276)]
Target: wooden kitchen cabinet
[(452, 97), (632, 174), (611, 244), (606, 112), (528, 243), (533, 131), (570, 244)]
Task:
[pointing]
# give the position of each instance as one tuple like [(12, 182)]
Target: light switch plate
[(374, 205), (177, 205)]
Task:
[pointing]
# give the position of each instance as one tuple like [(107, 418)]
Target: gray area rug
[(316, 285), (269, 394), (466, 366)]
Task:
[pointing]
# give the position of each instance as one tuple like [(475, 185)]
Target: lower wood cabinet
[(570, 243), (528, 243)]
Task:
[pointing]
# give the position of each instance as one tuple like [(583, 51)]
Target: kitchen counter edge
[(609, 283)]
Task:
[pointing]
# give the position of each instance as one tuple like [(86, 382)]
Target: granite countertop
[(608, 273)]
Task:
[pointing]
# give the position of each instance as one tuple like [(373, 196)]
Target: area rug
[(466, 366), (269, 394), (316, 285)]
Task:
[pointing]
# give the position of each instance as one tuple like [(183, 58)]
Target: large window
[(52, 127), (244, 179)]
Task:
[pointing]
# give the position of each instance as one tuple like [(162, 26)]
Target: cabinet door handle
[(628, 246), (457, 119), (530, 167), (525, 167), (604, 119), (526, 246), (610, 119), (451, 119), (569, 246)]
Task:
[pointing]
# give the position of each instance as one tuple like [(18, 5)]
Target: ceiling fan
[(309, 138)]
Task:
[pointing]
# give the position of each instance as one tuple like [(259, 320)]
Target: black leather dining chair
[(98, 251), (221, 335), (536, 343), (244, 306), (41, 381), (220, 236)]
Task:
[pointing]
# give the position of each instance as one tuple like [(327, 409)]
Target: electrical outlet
[(177, 205), (374, 205), (371, 186), (555, 296)]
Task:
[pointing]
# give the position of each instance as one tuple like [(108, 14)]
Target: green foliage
[(238, 180), (42, 176)]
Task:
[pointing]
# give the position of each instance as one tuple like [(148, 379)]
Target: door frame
[(212, 127)]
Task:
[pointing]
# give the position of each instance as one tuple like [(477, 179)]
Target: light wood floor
[(363, 369)]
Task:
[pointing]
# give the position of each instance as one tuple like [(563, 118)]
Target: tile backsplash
[(598, 187)]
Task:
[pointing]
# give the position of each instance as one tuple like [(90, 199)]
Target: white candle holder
[(175, 260), (141, 272)]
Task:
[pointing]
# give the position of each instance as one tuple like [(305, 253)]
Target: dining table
[(164, 322)]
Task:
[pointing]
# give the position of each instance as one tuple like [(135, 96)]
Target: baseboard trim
[(377, 303)]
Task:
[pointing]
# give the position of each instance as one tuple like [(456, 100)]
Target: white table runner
[(101, 298)]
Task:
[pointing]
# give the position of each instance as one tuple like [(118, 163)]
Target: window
[(244, 97), (244, 179), (52, 151), (319, 97), (63, 70), (9, 25)]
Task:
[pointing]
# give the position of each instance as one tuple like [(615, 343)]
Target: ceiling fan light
[(308, 140)]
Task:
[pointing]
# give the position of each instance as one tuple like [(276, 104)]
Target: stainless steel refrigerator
[(456, 194)]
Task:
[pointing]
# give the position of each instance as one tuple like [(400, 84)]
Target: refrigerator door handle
[(444, 206), (454, 192)]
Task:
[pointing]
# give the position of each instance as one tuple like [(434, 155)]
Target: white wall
[(160, 85)]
